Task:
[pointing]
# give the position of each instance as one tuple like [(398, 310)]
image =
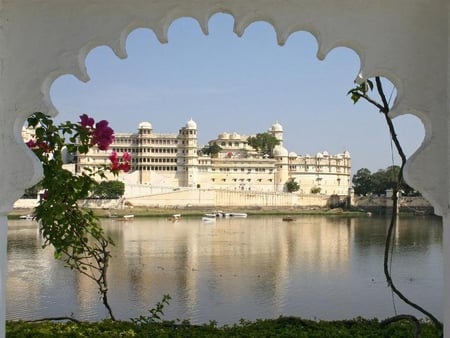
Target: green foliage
[(156, 313), (281, 327), (263, 143), (75, 233), (365, 182), (33, 191), (292, 186), (315, 190), (109, 189), (212, 150), (362, 182), (360, 91)]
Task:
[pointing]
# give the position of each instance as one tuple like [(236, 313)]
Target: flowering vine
[(74, 232)]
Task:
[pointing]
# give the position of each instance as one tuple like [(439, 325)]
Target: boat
[(28, 217), (288, 219), (207, 219), (110, 215), (174, 217), (128, 216), (238, 214)]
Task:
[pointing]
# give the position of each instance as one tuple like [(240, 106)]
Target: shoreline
[(200, 211)]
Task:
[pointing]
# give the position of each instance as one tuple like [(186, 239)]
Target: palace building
[(174, 161)]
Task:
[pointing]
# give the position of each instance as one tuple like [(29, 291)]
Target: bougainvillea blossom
[(120, 164), (32, 144), (86, 121), (103, 135)]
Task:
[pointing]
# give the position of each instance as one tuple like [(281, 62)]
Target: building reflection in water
[(259, 267)]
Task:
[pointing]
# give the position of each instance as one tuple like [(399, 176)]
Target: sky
[(227, 83)]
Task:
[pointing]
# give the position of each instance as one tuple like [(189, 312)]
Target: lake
[(315, 267)]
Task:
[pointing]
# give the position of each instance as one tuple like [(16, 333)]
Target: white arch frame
[(406, 41)]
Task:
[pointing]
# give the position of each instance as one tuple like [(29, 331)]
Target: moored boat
[(238, 214), (174, 217)]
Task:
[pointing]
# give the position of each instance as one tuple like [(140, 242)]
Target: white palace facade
[(175, 161)]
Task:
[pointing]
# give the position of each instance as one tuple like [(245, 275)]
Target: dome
[(145, 125), (235, 136), (280, 151), (292, 154), (224, 136), (346, 154), (325, 153), (191, 124), (277, 127), (319, 155)]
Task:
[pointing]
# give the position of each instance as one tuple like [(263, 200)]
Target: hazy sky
[(232, 84)]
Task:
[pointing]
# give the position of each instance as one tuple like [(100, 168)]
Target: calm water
[(259, 267)]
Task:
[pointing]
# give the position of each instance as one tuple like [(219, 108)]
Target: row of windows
[(158, 141), (158, 150), (229, 144), (317, 169), (188, 132), (249, 170), (157, 168), (242, 180), (156, 160)]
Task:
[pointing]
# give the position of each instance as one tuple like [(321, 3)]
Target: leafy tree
[(212, 150), (315, 190), (362, 182), (33, 191), (292, 186), (263, 143), (109, 189)]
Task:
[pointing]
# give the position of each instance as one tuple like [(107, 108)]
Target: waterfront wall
[(383, 204), (247, 199)]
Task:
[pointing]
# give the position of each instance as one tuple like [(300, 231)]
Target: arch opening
[(273, 84)]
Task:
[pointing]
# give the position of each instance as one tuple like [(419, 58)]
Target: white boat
[(28, 217), (238, 214), (207, 219), (174, 217), (128, 217)]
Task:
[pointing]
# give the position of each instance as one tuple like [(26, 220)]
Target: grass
[(281, 327)]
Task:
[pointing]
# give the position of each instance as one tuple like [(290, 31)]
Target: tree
[(109, 189), (74, 232), (212, 150), (363, 91), (292, 186), (315, 190), (263, 143), (362, 182)]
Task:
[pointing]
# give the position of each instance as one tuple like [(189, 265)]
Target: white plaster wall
[(404, 40)]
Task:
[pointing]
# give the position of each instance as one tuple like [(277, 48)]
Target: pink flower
[(103, 135), (122, 164), (44, 195), (86, 121), (126, 157), (31, 144), (125, 167)]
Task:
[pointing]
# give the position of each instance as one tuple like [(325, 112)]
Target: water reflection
[(259, 267)]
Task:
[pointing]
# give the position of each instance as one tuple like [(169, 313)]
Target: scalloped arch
[(284, 22)]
